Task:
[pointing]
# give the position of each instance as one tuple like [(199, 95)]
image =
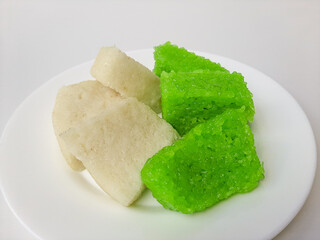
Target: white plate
[(54, 202)]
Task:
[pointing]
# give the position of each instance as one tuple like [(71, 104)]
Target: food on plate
[(115, 144), (114, 69), (169, 57), (77, 102), (110, 127), (213, 161), (194, 97)]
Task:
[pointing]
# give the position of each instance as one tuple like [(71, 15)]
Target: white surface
[(39, 39), (56, 203)]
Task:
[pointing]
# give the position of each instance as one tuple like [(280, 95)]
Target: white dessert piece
[(114, 69), (115, 145), (75, 103)]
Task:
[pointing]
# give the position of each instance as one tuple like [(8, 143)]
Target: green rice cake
[(215, 160), (192, 98), (169, 57)]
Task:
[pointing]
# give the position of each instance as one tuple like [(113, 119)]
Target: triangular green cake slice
[(194, 97), (169, 57), (215, 160)]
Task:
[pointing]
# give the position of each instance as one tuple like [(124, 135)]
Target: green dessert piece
[(169, 57), (215, 160), (192, 98)]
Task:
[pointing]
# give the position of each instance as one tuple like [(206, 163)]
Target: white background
[(40, 39)]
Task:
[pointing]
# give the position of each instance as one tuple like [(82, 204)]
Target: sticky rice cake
[(192, 98), (77, 102), (169, 57), (114, 146), (215, 160), (114, 69)]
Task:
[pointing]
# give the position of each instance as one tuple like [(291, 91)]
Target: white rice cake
[(77, 102), (115, 145), (116, 70)]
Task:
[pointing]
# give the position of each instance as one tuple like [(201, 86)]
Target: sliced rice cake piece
[(115, 145), (114, 69), (77, 102), (192, 98), (169, 57), (215, 160)]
